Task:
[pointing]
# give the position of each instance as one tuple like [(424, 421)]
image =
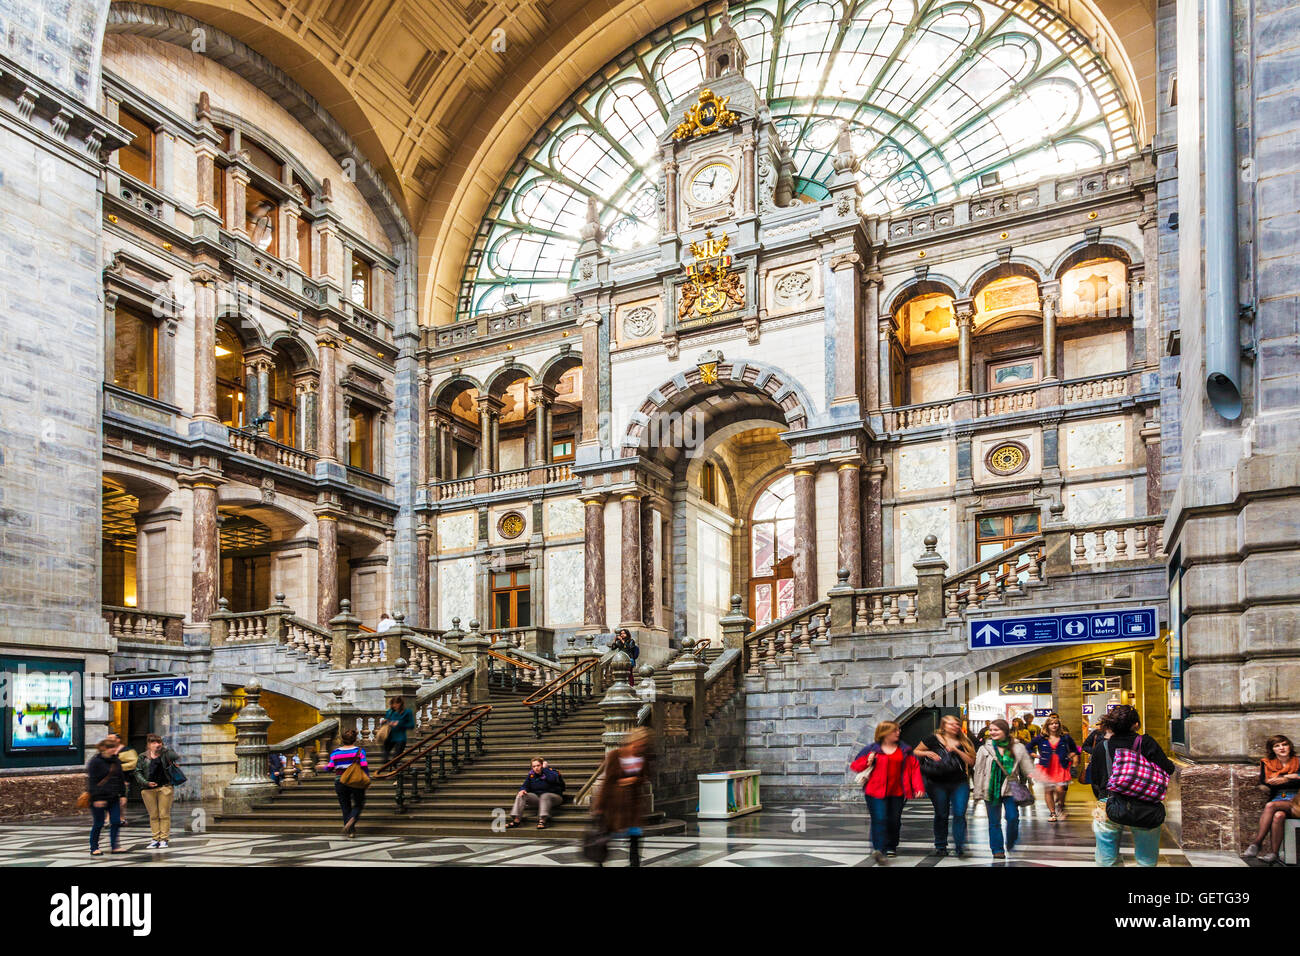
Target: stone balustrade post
[(842, 601), (735, 626), (474, 653), (930, 568), (687, 673), (620, 703), (589, 649), (252, 781), (275, 615), (401, 684), (343, 628), (217, 620), (1058, 544), (392, 639)]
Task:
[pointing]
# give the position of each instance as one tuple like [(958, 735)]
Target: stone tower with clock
[(724, 166)]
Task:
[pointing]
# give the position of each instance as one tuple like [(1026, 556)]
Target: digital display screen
[(41, 706)]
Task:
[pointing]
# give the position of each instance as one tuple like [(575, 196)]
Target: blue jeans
[(994, 809), (113, 812), (1146, 843), (950, 798), (886, 822)]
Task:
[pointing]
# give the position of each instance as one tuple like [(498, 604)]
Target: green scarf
[(1004, 761)]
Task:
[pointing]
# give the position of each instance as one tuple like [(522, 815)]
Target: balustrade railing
[(266, 448), (459, 739), (778, 641), (458, 488), (445, 698), (432, 659), (992, 578), (144, 627), (243, 627), (1000, 403), (1125, 540), (880, 608), (1087, 390), (539, 641), (310, 640), (303, 752), (721, 681)]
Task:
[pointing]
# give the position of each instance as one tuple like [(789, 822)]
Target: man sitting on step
[(542, 791)]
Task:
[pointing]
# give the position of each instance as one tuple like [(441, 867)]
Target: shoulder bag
[(1017, 791), (1125, 810), (174, 774), (1133, 775), (355, 776), (949, 768)]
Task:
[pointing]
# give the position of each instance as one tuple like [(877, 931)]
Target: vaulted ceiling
[(443, 95)]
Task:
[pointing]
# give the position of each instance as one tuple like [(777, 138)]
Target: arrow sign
[(1076, 627), (155, 688)]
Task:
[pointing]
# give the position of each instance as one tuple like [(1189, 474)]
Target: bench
[(1290, 829)]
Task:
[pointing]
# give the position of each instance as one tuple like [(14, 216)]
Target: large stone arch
[(1105, 246)]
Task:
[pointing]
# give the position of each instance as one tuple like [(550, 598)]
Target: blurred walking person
[(619, 804), (106, 791), (946, 758), (889, 776)]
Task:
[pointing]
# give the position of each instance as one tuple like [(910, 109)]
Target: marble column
[(593, 605), (871, 371), (650, 601), (495, 444), (327, 565), (846, 268), (206, 576), (205, 344), (965, 325), (850, 513), (885, 361), (542, 399), (327, 406), (427, 432), (591, 378), (805, 536), (1051, 298), (875, 557), (747, 173), (305, 389), (488, 409), (422, 547), (631, 585), (237, 199), (670, 198)]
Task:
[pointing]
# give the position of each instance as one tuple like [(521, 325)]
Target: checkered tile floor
[(834, 835)]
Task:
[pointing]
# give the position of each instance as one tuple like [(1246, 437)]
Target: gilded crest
[(707, 115), (709, 373), (710, 287)]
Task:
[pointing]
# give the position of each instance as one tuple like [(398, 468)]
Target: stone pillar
[(875, 557), (423, 542), (593, 611), (591, 378), (1067, 699), (842, 327), (237, 217), (930, 568), (327, 563), (473, 647), (205, 577), (736, 626), (427, 436), (543, 397), (305, 392), (620, 703), (670, 208), (327, 406), (631, 585), (965, 326), (850, 514), (687, 674), (1051, 292), (1150, 434), (205, 344), (252, 781), (488, 407), (885, 361), (871, 370), (805, 536), (747, 174)]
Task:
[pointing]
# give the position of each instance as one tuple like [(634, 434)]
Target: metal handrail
[(556, 684), (554, 700), (436, 738), (510, 660), (456, 730)]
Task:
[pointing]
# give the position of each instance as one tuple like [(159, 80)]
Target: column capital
[(327, 340), (204, 275), (846, 260), (589, 498), (203, 478), (965, 310)]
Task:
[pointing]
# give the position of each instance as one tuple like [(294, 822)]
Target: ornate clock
[(712, 184), (511, 525), (1007, 458)]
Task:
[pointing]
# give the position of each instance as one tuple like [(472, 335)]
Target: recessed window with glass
[(997, 533), (137, 157), (562, 449), (135, 353), (361, 431), (511, 599), (709, 483), (771, 583), (360, 281), (284, 412), (262, 220), (230, 376), (1013, 373)]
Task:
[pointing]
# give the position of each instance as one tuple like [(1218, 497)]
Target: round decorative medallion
[(640, 322), (511, 524), (1007, 458)]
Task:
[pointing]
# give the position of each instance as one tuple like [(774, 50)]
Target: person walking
[(889, 775), (542, 791), (946, 758), (1002, 770), (400, 719), (619, 804), (1054, 753), (156, 773), (1279, 773), (1119, 727), (106, 788), (352, 800)]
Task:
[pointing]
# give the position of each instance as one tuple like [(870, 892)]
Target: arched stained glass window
[(935, 94), (771, 552)]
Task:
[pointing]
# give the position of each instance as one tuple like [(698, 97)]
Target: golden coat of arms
[(710, 287), (707, 115)]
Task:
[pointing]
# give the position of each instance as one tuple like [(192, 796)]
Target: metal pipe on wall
[(1222, 308)]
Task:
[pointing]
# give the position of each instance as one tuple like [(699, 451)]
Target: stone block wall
[(720, 747)]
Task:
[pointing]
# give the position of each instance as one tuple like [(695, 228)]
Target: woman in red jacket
[(889, 775)]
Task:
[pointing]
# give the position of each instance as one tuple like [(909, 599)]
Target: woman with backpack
[(889, 775), (1129, 775), (351, 777), (157, 774), (1002, 771), (1279, 772), (1054, 753), (946, 757)]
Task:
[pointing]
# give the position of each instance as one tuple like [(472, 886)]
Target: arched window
[(230, 376), (283, 401), (771, 552)]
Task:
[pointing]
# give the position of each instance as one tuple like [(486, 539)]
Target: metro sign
[(150, 688), (1074, 627)]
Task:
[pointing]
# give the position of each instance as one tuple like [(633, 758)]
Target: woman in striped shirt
[(351, 800)]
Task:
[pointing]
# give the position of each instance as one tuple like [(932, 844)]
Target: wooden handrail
[(510, 660), (435, 739), (552, 687)]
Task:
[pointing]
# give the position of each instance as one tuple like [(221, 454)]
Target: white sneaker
[(1268, 858), (163, 844), (1251, 851), (153, 845)]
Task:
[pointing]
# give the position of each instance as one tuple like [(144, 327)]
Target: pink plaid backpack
[(1133, 775)]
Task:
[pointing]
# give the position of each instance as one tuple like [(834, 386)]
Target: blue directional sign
[(150, 688), (1087, 709), (1072, 628)]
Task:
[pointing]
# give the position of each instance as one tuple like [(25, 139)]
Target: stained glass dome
[(935, 96)]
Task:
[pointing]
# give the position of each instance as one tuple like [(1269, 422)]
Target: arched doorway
[(771, 551)]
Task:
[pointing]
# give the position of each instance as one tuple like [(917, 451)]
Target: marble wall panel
[(932, 383), (912, 525), (1095, 355), (564, 517), (457, 531), (565, 582), (922, 467), (456, 591), (1096, 444)]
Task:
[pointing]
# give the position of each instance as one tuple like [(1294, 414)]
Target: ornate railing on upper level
[(533, 640), (724, 677), (267, 449), (535, 315), (496, 482), (1037, 396), (885, 607), (144, 627)]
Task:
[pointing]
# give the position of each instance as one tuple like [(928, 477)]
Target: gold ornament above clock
[(710, 287), (707, 115)]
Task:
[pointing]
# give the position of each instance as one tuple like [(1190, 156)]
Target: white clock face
[(712, 184)]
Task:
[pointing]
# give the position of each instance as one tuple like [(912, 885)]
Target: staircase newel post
[(591, 650), (930, 569), (252, 781), (842, 600), (687, 673), (392, 639), (217, 621), (620, 703), (735, 626), (275, 615), (473, 653), (343, 628), (401, 684), (1057, 543)]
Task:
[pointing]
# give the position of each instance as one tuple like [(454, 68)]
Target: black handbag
[(949, 768), (1130, 812), (595, 842)]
